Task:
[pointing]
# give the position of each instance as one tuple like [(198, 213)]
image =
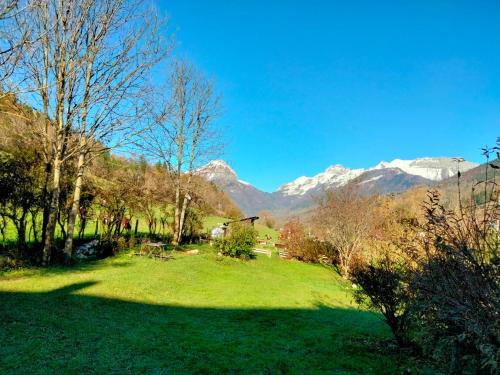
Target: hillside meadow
[(193, 314)]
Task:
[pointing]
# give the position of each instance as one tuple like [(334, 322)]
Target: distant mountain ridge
[(386, 177)]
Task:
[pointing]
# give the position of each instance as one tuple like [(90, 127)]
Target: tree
[(343, 219), (87, 73), (114, 95), (184, 135), (293, 236), (19, 192), (11, 42), (383, 274)]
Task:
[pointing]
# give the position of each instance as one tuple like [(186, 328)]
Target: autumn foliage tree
[(343, 219)]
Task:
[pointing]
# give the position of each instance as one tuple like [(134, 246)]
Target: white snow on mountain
[(335, 176), (372, 179), (217, 169), (435, 169), (245, 183)]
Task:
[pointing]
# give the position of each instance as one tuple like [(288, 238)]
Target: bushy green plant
[(238, 242), (456, 291), (384, 288), (193, 225)]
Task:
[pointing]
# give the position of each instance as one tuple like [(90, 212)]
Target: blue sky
[(308, 84)]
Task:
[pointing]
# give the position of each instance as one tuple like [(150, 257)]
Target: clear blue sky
[(308, 84)]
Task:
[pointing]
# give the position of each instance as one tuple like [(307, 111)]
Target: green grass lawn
[(194, 314), (209, 223)]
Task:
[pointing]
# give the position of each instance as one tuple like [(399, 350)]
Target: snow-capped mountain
[(250, 199), (335, 176), (433, 169), (388, 180), (220, 171), (386, 177)]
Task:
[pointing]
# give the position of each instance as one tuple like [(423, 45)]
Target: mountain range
[(302, 193)]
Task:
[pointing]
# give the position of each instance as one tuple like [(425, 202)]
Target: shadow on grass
[(65, 331), (83, 266)]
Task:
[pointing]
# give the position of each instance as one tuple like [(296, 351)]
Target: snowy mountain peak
[(386, 177), (335, 176), (337, 169), (217, 169), (435, 169)]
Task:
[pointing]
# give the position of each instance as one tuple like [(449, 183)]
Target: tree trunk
[(53, 210), (21, 234), (46, 198), (68, 245), (175, 239), (185, 203), (3, 225), (33, 226)]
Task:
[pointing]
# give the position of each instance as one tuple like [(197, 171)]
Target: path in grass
[(195, 314)]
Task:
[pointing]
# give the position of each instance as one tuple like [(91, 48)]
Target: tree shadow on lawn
[(62, 331), (78, 267)]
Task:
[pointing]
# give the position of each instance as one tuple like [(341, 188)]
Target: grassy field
[(209, 223), (194, 314)]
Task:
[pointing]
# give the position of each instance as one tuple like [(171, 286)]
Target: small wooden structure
[(250, 220)]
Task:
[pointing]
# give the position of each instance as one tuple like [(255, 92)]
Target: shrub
[(238, 242), (457, 286), (304, 248), (292, 236), (315, 251), (384, 288), (8, 262)]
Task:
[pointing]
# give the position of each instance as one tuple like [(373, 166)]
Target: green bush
[(238, 242), (384, 289), (193, 226)]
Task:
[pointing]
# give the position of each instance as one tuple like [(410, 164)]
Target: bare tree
[(184, 136), (11, 40), (86, 75), (114, 93), (343, 219)]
